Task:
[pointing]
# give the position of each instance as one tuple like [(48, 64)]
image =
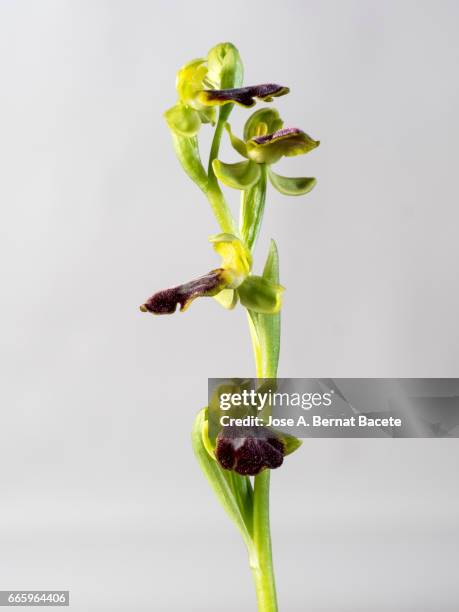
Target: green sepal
[(261, 295), (183, 120), (286, 142), (236, 259), (209, 444), (261, 122), (238, 176), (208, 115), (291, 443), (293, 186), (237, 144), (189, 80)]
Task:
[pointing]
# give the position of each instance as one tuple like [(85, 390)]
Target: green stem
[(214, 194), (266, 367), (263, 571)]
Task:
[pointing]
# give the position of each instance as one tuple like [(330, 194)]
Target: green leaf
[(261, 122), (238, 176), (271, 323), (243, 492), (237, 144), (183, 120), (265, 329), (232, 493), (293, 186)]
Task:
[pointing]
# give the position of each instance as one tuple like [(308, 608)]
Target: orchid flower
[(266, 141), (204, 83), (228, 283)]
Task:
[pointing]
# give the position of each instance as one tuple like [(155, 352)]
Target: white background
[(99, 490)]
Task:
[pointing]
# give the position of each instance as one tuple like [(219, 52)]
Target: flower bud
[(225, 68)]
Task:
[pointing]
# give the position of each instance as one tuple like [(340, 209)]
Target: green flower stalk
[(238, 461)]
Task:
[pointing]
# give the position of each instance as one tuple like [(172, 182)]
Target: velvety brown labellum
[(275, 135), (247, 454), (245, 95), (166, 301)]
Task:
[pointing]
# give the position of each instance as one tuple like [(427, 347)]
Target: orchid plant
[(237, 466)]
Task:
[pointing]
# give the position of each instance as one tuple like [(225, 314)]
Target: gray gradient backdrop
[(99, 490)]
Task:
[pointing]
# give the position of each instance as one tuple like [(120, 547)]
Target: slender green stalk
[(214, 193), (258, 352), (263, 571)]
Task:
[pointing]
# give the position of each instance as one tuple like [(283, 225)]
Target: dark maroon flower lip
[(248, 452), (167, 300), (245, 96), (290, 131)]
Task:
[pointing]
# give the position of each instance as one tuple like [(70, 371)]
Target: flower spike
[(230, 455)]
